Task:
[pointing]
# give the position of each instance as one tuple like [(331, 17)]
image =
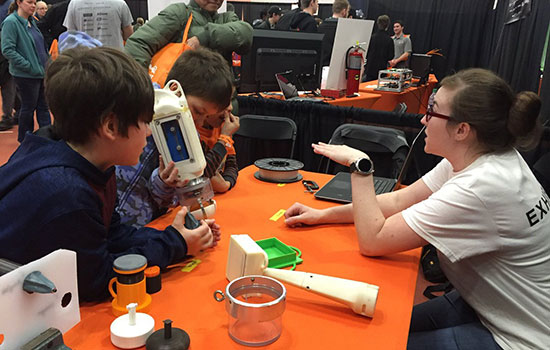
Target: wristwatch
[(362, 166)]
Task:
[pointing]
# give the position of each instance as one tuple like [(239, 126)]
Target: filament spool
[(278, 170)]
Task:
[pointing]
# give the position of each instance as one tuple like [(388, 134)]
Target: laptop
[(338, 189), (289, 90)]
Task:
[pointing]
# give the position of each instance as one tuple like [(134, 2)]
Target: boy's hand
[(230, 125), (193, 42), (198, 239), (219, 184), (216, 232), (169, 174)]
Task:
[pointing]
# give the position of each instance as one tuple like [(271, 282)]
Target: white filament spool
[(278, 170)]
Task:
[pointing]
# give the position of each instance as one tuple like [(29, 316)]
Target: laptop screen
[(288, 89)]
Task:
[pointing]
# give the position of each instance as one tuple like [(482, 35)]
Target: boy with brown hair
[(60, 192), (148, 189)]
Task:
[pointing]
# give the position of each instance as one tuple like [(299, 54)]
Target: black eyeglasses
[(430, 113)]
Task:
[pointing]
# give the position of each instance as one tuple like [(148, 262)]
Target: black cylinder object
[(153, 281), (168, 338)]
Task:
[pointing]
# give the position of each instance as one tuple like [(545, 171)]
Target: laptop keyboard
[(383, 185)]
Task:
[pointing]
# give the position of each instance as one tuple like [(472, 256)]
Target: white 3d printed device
[(177, 140), (246, 258)]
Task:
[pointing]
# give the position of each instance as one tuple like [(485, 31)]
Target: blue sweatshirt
[(52, 198)]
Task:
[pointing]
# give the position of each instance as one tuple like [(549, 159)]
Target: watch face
[(364, 165)]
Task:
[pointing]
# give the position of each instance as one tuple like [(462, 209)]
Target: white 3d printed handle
[(359, 296)]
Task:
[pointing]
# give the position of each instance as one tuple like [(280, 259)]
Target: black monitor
[(420, 66), (275, 51)]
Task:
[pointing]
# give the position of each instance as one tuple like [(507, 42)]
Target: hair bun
[(523, 120)]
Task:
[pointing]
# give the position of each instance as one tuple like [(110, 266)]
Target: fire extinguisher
[(354, 62)]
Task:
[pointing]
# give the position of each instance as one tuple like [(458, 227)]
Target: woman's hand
[(341, 154), (299, 214), (169, 174)]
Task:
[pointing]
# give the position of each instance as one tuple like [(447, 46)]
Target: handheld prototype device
[(174, 132), (247, 258), (177, 140)]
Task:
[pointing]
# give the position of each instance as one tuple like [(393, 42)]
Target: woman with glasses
[(481, 207)]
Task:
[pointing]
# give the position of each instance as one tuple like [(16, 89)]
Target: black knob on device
[(168, 338), (191, 222)]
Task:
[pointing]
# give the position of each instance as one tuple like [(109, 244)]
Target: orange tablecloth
[(309, 321), (364, 100), (416, 97)]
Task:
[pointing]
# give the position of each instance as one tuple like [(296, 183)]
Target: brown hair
[(340, 5), (500, 118), (83, 86), (382, 22), (205, 74), (305, 3), (13, 7)]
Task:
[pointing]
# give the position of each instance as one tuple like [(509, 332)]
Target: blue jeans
[(448, 323), (8, 97), (32, 99)]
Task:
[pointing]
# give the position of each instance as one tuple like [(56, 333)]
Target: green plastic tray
[(279, 254)]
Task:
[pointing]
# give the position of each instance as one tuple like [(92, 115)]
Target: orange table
[(416, 97), (309, 321), (364, 100)]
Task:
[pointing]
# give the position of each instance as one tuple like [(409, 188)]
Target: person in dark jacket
[(304, 21), (60, 192), (23, 46), (286, 19), (274, 15), (380, 49), (51, 25), (340, 9)]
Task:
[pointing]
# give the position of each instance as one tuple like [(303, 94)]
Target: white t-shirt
[(491, 225), (100, 19)]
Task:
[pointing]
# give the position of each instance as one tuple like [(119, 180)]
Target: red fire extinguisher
[(354, 62)]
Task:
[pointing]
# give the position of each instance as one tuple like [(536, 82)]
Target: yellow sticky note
[(191, 265), (277, 215), (281, 185)]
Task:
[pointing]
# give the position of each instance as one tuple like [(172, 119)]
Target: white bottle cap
[(131, 330)]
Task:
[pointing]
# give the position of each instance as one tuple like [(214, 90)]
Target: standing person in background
[(381, 49), (304, 21), (286, 18), (261, 19), (340, 9), (109, 21), (402, 47), (274, 14), (41, 9), (23, 46), (7, 84), (51, 25)]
